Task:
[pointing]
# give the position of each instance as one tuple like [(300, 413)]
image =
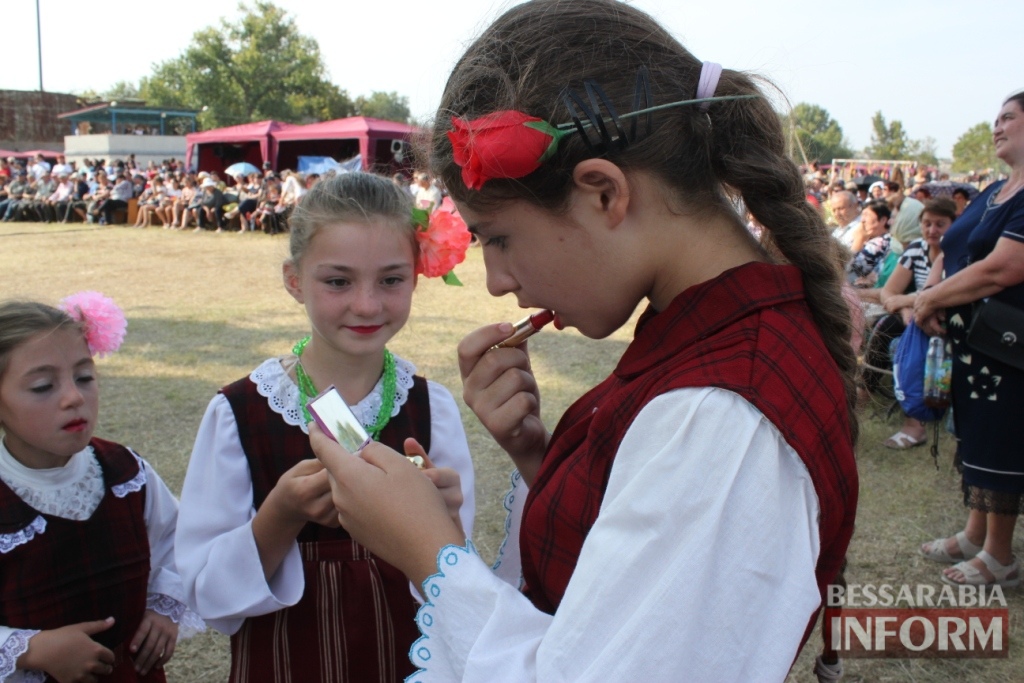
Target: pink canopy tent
[(342, 139), (215, 150), (48, 154)]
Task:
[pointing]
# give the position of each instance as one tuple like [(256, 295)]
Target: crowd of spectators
[(165, 194), (887, 259)]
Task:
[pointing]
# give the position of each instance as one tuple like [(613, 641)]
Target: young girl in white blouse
[(260, 550), (88, 586)]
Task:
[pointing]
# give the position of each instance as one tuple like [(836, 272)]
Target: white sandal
[(936, 550), (828, 673), (901, 441), (1003, 575)]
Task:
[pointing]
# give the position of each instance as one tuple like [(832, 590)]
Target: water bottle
[(938, 373)]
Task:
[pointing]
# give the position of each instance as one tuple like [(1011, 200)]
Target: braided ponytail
[(749, 157)]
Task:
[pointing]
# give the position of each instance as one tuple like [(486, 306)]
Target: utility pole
[(39, 43)]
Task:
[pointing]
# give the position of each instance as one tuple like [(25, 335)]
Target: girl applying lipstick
[(257, 500), (686, 515)]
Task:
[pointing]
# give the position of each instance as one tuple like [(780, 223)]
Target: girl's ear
[(292, 282), (603, 186)]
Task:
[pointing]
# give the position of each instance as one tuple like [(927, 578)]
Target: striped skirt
[(355, 622)]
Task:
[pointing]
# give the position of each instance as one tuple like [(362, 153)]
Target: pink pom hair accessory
[(103, 320)]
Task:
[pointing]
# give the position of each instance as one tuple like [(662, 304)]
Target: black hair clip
[(605, 141)]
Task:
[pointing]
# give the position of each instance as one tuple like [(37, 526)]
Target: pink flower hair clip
[(443, 239), (103, 320)]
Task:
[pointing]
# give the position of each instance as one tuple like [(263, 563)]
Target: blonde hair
[(21, 320), (350, 197)]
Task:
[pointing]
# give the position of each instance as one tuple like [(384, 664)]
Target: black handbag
[(997, 330)]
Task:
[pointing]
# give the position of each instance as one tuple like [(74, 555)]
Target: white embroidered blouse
[(216, 550), (74, 492), (699, 567)]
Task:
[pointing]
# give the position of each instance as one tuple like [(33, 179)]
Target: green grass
[(204, 309)]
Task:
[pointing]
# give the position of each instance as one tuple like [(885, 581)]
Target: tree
[(122, 90), (253, 68), (924, 152), (888, 141), (817, 132), (389, 106), (975, 151)]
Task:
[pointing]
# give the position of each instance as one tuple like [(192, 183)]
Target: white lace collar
[(273, 383), (72, 492)]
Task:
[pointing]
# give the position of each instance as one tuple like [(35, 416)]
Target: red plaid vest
[(77, 571), (748, 331), (356, 618)]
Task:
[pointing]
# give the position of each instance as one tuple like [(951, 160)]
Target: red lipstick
[(365, 329), (75, 425), (526, 328)]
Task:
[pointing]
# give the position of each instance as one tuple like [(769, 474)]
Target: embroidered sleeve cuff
[(15, 646), (439, 660), (508, 566), (189, 623)]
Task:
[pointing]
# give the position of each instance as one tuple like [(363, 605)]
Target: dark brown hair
[(1017, 97), (940, 206), (880, 209), (735, 149)]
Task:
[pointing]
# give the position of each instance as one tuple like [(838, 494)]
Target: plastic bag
[(908, 374)]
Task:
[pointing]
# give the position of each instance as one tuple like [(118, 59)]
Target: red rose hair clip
[(443, 239), (511, 144), (505, 144)]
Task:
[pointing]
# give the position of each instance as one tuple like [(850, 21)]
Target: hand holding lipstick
[(526, 328), (501, 390)]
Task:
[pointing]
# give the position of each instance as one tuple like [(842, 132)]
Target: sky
[(938, 66)]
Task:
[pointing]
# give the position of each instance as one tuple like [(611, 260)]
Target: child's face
[(49, 399), (582, 273), (356, 282)]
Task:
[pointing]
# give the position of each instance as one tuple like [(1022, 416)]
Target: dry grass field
[(204, 309)]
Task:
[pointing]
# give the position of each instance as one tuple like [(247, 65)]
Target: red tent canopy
[(342, 139), (48, 154), (215, 150)]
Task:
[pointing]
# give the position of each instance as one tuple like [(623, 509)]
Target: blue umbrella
[(242, 168)]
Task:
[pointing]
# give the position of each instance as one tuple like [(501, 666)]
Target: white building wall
[(146, 148)]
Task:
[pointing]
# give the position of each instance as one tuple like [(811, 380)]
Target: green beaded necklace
[(387, 400)]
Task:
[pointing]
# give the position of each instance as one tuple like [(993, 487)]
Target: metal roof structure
[(129, 113)]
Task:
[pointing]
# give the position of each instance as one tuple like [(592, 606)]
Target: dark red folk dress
[(87, 570), (356, 619)]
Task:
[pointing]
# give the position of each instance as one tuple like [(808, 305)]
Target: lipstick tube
[(526, 328)]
